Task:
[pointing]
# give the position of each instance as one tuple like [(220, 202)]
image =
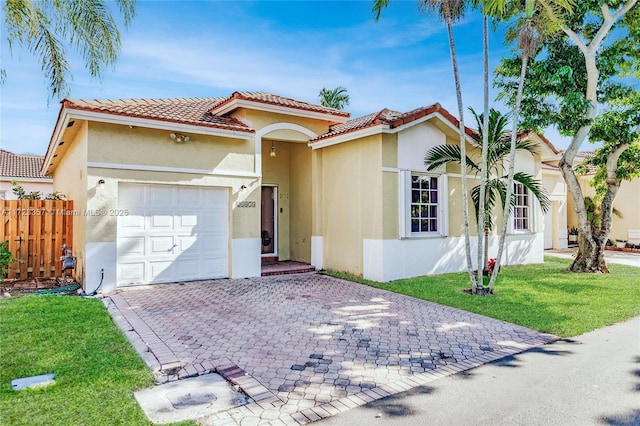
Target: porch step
[(286, 267)]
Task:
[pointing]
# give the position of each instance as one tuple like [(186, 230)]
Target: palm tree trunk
[(486, 249), (483, 164), (463, 155), (512, 157)]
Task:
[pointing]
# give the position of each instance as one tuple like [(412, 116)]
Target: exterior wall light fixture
[(179, 137), (273, 149)]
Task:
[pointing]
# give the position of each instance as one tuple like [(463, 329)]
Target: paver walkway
[(308, 346)]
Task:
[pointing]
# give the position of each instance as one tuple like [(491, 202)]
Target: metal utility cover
[(33, 381)]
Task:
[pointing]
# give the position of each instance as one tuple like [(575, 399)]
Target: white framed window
[(522, 208), (422, 209)]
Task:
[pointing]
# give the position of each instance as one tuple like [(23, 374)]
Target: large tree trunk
[(591, 246), (590, 256)]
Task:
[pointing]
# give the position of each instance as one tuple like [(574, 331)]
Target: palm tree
[(336, 98), (538, 19), (497, 183), (44, 27), (450, 12)]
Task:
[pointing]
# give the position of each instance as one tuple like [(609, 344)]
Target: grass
[(96, 369), (543, 296)]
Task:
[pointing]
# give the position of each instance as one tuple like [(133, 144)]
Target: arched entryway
[(286, 193)]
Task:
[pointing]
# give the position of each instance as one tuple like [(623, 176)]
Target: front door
[(269, 225)]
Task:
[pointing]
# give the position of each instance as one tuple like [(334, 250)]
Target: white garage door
[(172, 233)]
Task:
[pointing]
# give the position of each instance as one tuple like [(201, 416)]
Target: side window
[(521, 213), (424, 205)]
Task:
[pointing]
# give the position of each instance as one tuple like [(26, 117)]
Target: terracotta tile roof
[(526, 133), (268, 98), (21, 166), (186, 111), (390, 118)]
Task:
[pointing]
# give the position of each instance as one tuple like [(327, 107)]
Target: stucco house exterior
[(169, 190), (24, 169)]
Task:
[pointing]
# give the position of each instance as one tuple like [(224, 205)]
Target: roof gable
[(392, 120), (260, 100), (193, 111)]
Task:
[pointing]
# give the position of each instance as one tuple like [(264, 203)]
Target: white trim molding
[(145, 168)]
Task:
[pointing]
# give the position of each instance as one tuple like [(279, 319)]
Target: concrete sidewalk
[(610, 256), (592, 379)]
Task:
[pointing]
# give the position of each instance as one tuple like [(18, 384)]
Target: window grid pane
[(521, 209), (424, 203)]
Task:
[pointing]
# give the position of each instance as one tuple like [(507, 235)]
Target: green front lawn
[(543, 297), (96, 369)]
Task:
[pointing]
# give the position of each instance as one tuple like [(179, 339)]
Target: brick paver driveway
[(308, 346)]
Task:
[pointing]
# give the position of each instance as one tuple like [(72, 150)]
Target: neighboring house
[(26, 170), (627, 202), (182, 189), (562, 216)]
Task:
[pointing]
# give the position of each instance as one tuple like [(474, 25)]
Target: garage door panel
[(160, 221), (211, 266), (131, 246), (188, 221), (189, 196), (188, 269), (131, 273), (212, 242), (161, 246), (160, 271), (188, 243), (160, 195), (172, 233)]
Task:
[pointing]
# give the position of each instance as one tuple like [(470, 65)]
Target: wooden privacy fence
[(36, 231)]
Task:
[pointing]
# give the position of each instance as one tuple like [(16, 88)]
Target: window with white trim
[(424, 204), (521, 210)]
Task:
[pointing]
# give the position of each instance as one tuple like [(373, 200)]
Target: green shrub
[(5, 259)]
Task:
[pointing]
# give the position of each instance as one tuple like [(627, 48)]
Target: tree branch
[(613, 184)]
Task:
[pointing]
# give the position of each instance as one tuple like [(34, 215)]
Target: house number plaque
[(246, 204)]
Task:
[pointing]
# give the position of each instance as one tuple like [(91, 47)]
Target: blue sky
[(291, 48)]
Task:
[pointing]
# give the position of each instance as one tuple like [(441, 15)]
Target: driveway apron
[(308, 346)]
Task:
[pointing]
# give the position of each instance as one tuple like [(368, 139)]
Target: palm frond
[(536, 188), (336, 98), (378, 5), (444, 154)]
